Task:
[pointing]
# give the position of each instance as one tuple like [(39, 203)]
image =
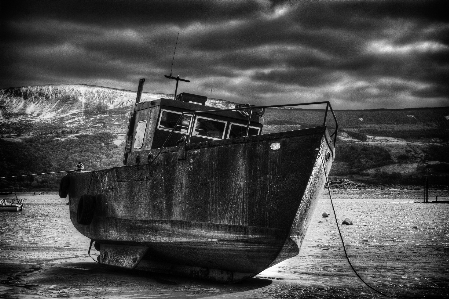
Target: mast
[(177, 81), (171, 70)]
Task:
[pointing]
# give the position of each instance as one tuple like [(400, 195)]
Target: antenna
[(171, 70), (174, 52)]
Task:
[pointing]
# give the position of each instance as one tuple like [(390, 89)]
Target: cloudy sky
[(356, 54)]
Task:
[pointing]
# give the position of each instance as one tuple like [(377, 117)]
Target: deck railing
[(250, 110)]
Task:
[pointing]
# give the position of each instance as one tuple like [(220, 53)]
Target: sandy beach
[(398, 246)]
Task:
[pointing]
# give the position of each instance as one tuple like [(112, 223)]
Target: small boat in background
[(11, 206)]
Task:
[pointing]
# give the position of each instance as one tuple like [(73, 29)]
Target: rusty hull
[(224, 210)]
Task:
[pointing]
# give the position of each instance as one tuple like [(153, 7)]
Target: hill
[(382, 146), (50, 128)]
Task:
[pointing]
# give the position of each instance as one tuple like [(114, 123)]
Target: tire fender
[(64, 187)]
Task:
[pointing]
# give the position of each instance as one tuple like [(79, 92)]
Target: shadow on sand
[(91, 280)]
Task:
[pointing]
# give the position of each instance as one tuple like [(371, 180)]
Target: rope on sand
[(88, 251), (343, 243)]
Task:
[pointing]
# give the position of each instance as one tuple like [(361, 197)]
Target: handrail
[(328, 107)]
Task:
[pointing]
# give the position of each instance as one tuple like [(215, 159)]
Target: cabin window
[(238, 130), (169, 119), (140, 133), (209, 128)]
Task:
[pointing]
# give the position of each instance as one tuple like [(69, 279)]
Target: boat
[(202, 191), (11, 206)]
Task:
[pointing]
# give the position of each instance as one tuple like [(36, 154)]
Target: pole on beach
[(426, 190), (426, 185)]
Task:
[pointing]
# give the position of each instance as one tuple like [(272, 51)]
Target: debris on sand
[(325, 215), (347, 221)]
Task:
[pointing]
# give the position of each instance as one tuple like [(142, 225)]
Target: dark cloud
[(125, 13), (359, 15), (309, 77), (358, 54)]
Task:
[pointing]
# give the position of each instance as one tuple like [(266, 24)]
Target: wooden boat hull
[(223, 210)]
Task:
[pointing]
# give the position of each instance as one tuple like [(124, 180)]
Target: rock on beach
[(347, 221)]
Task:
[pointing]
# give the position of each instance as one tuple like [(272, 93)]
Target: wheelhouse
[(167, 123)]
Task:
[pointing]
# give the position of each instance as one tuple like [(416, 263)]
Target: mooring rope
[(343, 242), (88, 251)]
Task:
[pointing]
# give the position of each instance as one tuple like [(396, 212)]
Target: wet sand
[(397, 246)]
